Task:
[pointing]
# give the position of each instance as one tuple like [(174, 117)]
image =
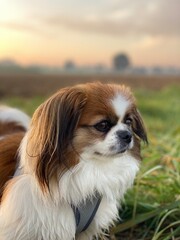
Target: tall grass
[(151, 209)]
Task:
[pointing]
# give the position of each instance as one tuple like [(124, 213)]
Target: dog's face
[(100, 120), (110, 123)]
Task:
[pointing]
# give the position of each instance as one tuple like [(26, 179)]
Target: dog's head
[(98, 120)]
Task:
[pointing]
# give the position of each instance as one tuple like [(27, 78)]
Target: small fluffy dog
[(82, 150)]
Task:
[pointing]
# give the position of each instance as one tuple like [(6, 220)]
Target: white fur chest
[(109, 178), (28, 214)]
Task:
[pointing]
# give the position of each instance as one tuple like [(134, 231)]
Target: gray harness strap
[(18, 171), (84, 214)]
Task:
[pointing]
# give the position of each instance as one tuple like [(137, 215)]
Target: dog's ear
[(53, 127), (138, 126)]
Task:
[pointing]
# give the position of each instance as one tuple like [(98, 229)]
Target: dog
[(78, 158)]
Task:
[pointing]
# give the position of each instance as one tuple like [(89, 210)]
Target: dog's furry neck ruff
[(84, 213)]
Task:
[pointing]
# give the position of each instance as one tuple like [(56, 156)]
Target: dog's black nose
[(125, 136)]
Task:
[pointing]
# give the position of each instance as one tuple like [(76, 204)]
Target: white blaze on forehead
[(120, 105)]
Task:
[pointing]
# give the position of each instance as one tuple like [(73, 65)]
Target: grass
[(151, 209)]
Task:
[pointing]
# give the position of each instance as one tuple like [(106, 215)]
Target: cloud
[(154, 18), (16, 26), (21, 27), (149, 42), (121, 18)]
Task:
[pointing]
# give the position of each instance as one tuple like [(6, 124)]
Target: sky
[(51, 32)]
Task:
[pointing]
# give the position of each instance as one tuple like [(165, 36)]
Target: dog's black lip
[(119, 152), (122, 151)]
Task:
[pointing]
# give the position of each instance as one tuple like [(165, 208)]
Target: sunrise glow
[(52, 32)]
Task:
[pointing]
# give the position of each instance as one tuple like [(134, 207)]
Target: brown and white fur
[(82, 140), (13, 125)]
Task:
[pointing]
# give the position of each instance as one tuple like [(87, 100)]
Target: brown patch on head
[(99, 101)]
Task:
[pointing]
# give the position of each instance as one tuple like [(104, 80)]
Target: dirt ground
[(32, 85)]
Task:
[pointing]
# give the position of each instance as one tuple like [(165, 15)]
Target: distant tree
[(121, 61), (8, 63), (69, 65)]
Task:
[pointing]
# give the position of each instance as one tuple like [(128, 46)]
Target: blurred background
[(97, 40), (46, 45)]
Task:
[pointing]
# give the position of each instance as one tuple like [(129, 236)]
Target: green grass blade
[(143, 217)]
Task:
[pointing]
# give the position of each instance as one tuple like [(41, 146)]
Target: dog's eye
[(103, 126), (128, 121)]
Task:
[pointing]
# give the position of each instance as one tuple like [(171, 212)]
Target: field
[(151, 210)]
